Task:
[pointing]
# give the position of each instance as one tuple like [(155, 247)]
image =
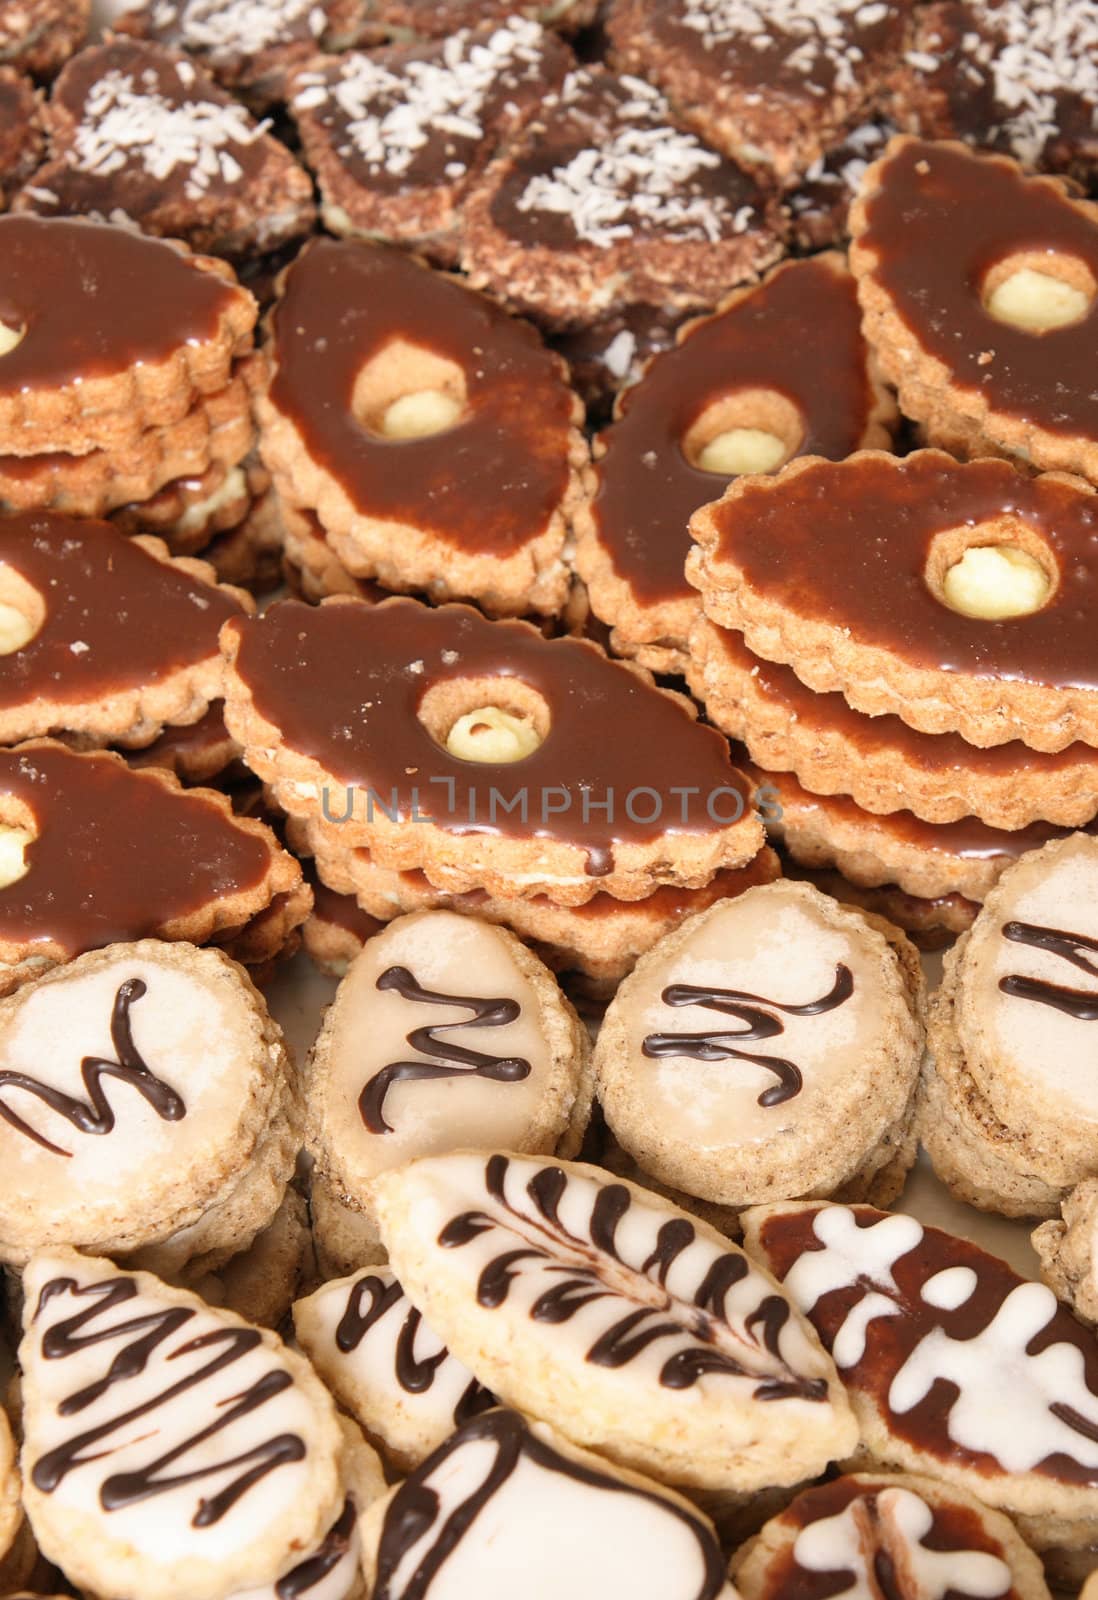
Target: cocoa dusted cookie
[(396, 396), (819, 207), (397, 136), (607, 356), (21, 135), (781, 370), (439, 18), (75, 876), (36, 36), (605, 202), (775, 86), (140, 133), (1019, 76), (252, 47)]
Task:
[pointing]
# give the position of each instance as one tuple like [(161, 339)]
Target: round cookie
[(503, 1497), (236, 1471), (953, 595), (395, 396), (762, 1049), (914, 1535), (1010, 1036), (114, 1130), (780, 370), (385, 1366), (638, 1329), (446, 1032)]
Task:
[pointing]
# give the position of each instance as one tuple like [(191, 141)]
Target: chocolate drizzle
[(416, 1508), (458, 1060), (759, 1022), (580, 1265), (149, 1331), (310, 1573), (96, 1115), (1082, 1004)]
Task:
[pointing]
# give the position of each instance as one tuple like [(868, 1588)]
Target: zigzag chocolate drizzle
[(139, 1338), (1082, 1004), (756, 1013), (582, 1274), (486, 1013), (96, 1115)]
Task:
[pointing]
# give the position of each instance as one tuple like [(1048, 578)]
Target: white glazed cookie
[(903, 1538), (446, 1032), (762, 1049), (114, 1131), (1068, 1251), (170, 1450), (954, 1364), (507, 1507), (638, 1330), (1011, 1118), (385, 1366)]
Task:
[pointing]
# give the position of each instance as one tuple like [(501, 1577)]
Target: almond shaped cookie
[(641, 1331), (114, 1130), (446, 1032), (956, 1367), (170, 1449), (764, 1048), (907, 1537), (506, 1503)]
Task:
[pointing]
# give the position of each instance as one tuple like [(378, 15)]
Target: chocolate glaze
[(891, 1339), (228, 1345), (309, 1574), (97, 300), (341, 304), (415, 1508), (799, 334), (370, 1300), (847, 544), (314, 672), (582, 1283), (96, 1115), (938, 221), (450, 1060), (758, 1020), (132, 619), (118, 854), (1082, 1004)]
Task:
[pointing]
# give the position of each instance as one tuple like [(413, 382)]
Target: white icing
[(847, 1542), (333, 1585), (950, 1288)]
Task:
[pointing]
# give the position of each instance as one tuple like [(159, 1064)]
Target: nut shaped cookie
[(170, 1449), (639, 1330), (764, 1048)]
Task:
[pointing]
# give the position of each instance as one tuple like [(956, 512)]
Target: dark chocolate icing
[(309, 1574), (371, 1298), (1082, 1004)]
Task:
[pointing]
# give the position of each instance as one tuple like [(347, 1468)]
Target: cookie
[(253, 50), (396, 136), (119, 1133), (396, 395), (605, 202), (1010, 1035), (440, 18), (362, 716), (606, 356), (781, 370), (21, 136), (1065, 1248), (1016, 76), (642, 1332), (262, 1281), (385, 1367), (931, 922), (113, 333), (879, 762), (190, 511), (103, 636), (773, 89), (879, 577), (345, 1239), (11, 1508), (1006, 351), (689, 1087), (36, 36), (903, 1535), (198, 754), (250, 553), (446, 1032), (141, 134), (337, 927), (313, 570), (181, 867), (238, 1467), (929, 1333), (818, 207)]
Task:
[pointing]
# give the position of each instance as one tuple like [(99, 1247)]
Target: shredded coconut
[(1034, 54), (392, 115), (823, 33), (229, 29)]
